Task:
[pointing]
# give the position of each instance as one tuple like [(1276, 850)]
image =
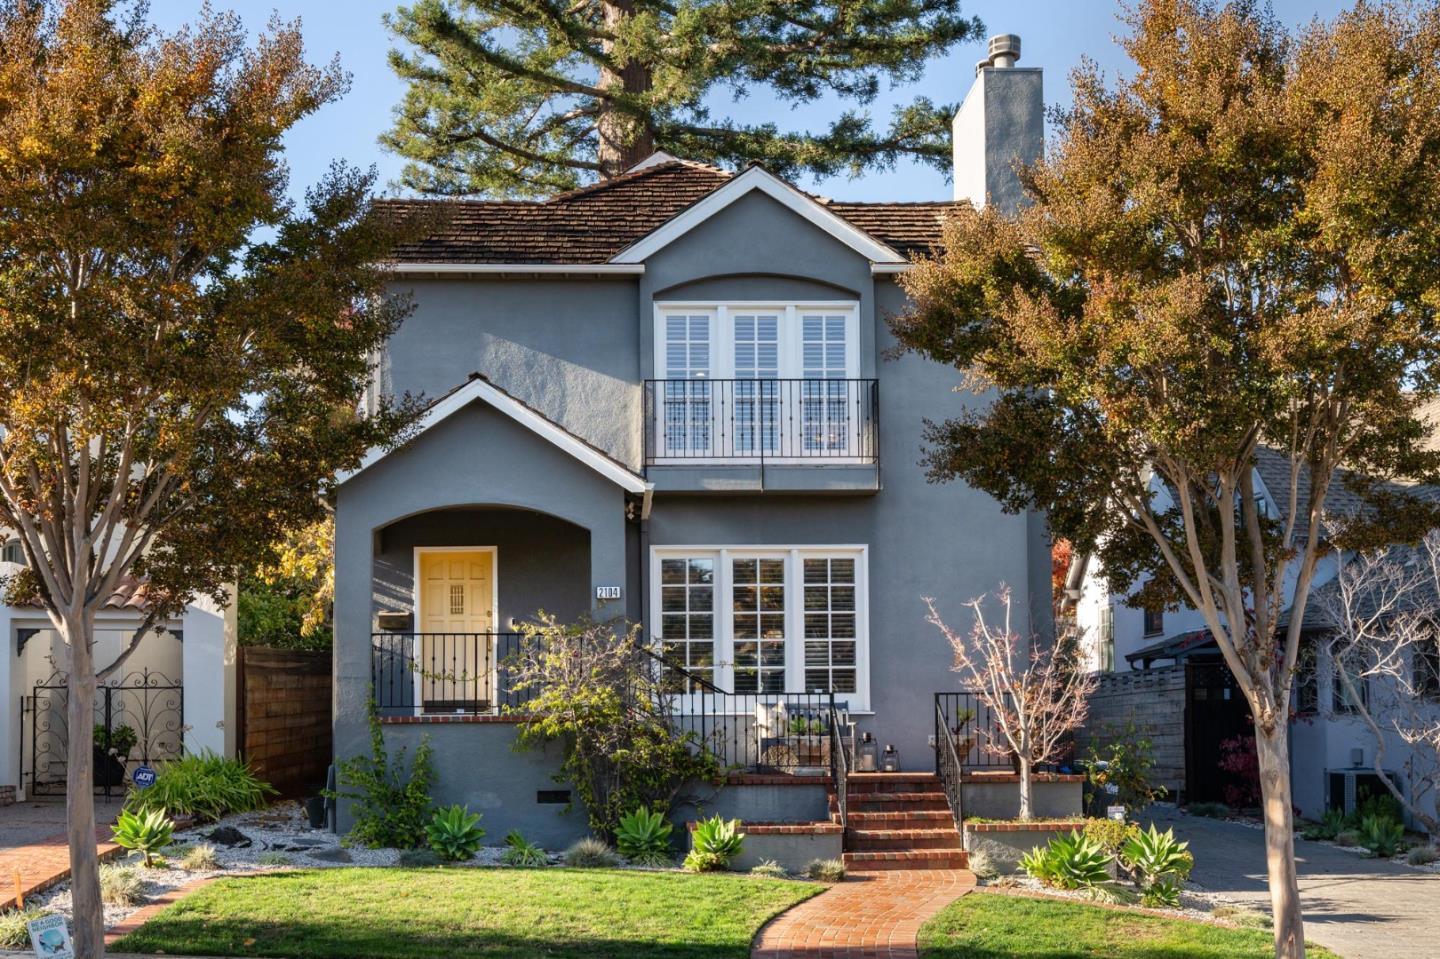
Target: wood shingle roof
[(593, 224)]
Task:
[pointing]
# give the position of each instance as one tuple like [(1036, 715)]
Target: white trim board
[(758, 178), (470, 268), (479, 389)]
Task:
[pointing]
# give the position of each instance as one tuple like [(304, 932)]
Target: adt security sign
[(143, 777)]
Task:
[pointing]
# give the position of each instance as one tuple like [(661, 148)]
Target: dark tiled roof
[(593, 224)]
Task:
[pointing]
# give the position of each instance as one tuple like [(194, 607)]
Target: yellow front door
[(456, 616)]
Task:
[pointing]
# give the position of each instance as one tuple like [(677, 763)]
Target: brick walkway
[(872, 915), (42, 864)]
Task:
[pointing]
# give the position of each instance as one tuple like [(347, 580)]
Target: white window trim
[(722, 333), (417, 592), (724, 677)]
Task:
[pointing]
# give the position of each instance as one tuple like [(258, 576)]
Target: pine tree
[(530, 97)]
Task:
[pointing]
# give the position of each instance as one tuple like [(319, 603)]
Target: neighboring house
[(176, 690), (1164, 670), (667, 397)]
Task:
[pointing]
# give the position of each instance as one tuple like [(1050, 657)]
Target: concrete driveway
[(29, 822), (1360, 908)]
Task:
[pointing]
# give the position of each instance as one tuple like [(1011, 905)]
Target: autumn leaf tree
[(1238, 244), (527, 99), (181, 347)]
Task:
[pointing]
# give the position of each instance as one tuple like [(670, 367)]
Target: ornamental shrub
[(15, 926), (1111, 834), (205, 785), (1154, 857), (592, 693), (591, 853), (1125, 765), (770, 869), (520, 851), (392, 805), (121, 885), (826, 870)]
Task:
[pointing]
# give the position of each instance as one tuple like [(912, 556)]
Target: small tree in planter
[(1034, 692)]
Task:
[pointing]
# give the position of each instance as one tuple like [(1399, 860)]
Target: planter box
[(792, 844), (1006, 842)]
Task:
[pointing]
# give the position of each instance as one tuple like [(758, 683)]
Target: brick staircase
[(899, 821)]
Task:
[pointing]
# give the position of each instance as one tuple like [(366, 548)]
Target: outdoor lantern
[(868, 758), (890, 762)]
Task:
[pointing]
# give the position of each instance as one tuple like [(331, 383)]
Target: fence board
[(285, 730)]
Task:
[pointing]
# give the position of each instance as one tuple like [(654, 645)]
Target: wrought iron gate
[(147, 703)]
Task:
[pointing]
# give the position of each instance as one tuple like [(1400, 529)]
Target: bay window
[(765, 620)]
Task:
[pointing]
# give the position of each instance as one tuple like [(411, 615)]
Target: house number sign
[(607, 592)]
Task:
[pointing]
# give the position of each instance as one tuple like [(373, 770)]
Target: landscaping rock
[(332, 854), (229, 837)]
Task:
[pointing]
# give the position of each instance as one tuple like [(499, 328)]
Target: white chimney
[(1002, 121)]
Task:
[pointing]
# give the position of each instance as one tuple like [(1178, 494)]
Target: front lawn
[(447, 913), (994, 926)]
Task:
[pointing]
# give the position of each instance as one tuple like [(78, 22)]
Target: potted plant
[(112, 749), (808, 737), (963, 743)]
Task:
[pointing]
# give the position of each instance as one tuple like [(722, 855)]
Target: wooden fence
[(285, 731)]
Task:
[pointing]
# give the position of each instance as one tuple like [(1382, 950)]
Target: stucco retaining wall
[(1062, 797), (1005, 843)]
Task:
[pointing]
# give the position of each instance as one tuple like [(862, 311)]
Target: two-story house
[(667, 397)]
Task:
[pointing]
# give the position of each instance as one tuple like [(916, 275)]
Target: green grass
[(993, 926), (447, 913)]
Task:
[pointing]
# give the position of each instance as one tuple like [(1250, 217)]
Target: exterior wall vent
[(552, 797)]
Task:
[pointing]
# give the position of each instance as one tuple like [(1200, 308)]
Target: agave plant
[(1077, 862), (1383, 836), (644, 837), (147, 833), (715, 842), (1154, 857), (454, 834)]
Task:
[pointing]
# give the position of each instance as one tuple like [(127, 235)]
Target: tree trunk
[(1025, 788), (89, 919), (1272, 748), (625, 140)]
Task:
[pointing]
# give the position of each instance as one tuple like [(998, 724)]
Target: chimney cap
[(1003, 51)]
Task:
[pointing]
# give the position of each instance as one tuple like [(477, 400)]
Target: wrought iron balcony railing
[(760, 421)]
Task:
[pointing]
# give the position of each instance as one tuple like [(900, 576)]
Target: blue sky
[(1055, 35)]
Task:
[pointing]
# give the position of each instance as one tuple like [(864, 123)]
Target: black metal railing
[(840, 754), (971, 725), (762, 420), (948, 768), (449, 673), (445, 672)]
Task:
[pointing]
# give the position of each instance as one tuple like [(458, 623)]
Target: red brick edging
[(872, 915), (147, 912)]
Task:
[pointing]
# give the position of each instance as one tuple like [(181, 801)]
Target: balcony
[(812, 435)]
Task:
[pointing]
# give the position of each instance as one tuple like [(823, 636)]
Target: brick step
[(892, 782), (915, 859), (918, 819), (861, 840), (890, 798), (867, 804)]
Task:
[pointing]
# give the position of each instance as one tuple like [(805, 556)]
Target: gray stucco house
[(666, 397)]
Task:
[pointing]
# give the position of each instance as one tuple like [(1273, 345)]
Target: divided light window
[(765, 620), (757, 341)]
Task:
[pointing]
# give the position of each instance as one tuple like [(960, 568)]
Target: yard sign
[(51, 938)]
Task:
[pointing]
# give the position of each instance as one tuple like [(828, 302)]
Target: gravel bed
[(1194, 903)]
